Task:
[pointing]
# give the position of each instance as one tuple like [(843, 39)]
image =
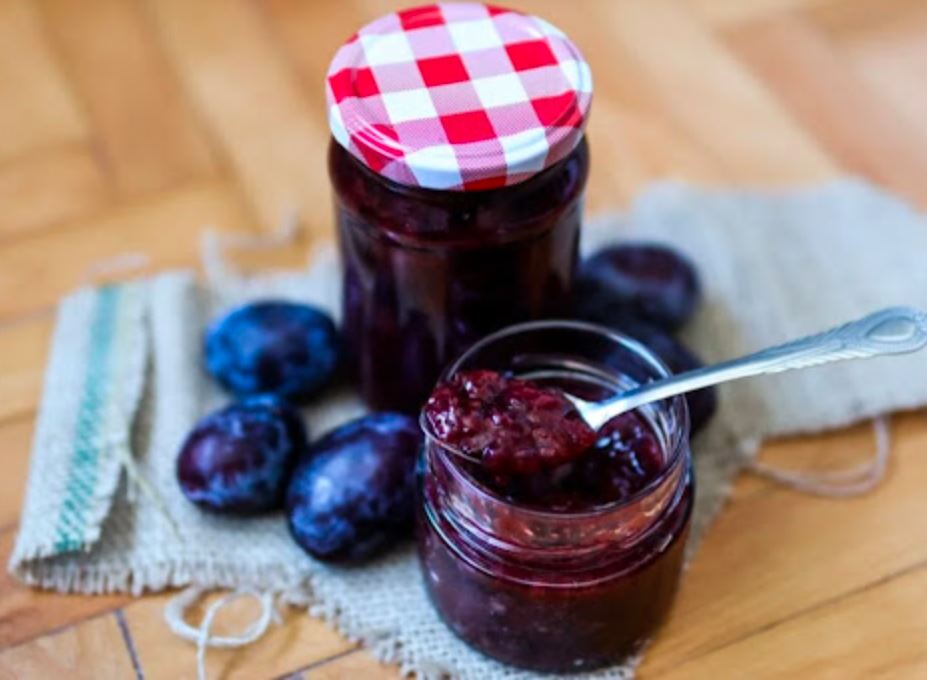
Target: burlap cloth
[(124, 385)]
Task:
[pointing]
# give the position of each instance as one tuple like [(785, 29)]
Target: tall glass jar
[(458, 164), (558, 591)]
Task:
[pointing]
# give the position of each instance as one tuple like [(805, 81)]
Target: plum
[(648, 281), (679, 358), (237, 460), (273, 347), (352, 495)]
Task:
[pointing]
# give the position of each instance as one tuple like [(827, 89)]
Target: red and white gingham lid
[(458, 96)]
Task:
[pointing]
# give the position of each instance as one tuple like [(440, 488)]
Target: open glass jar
[(458, 163), (566, 590)]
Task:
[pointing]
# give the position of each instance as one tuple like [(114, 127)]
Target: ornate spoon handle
[(896, 330)]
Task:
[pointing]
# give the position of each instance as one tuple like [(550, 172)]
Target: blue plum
[(237, 460), (647, 281), (352, 495), (273, 347)]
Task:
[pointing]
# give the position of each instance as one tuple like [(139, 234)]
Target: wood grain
[(147, 136), (93, 650), (726, 13), (634, 141), (703, 87), (129, 126), (889, 52), (272, 134), (15, 436), (37, 271), (50, 186), (38, 106), (877, 632), (26, 613), (23, 348), (775, 554), (866, 19), (298, 641), (835, 102)]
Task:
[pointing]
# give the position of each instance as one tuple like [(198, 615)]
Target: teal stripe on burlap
[(83, 470)]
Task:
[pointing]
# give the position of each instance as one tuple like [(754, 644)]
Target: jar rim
[(676, 448)]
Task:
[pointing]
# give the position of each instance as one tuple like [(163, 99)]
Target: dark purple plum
[(702, 403), (352, 495), (237, 460), (679, 358), (273, 347), (648, 281)]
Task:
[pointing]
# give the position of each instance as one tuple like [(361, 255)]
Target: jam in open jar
[(458, 163), (573, 566)]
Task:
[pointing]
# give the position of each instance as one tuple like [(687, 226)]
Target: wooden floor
[(128, 125)]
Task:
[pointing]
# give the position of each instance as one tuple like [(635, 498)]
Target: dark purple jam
[(429, 272), (623, 459), (562, 618), (570, 567), (514, 427)]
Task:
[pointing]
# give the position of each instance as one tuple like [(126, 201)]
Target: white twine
[(853, 481), (214, 247), (123, 263), (177, 607), (137, 482)]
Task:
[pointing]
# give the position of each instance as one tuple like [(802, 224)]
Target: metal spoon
[(896, 330)]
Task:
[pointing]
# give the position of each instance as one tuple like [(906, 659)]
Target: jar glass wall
[(558, 591), (429, 272)]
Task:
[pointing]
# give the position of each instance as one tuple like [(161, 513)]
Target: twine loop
[(854, 481), (118, 265), (174, 615), (215, 247)]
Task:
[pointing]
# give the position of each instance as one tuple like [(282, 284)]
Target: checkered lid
[(458, 96)]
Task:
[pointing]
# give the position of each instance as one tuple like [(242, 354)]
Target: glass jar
[(427, 273), (458, 164), (558, 591)]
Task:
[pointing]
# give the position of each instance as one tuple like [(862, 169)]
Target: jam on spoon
[(511, 426), (528, 443)]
